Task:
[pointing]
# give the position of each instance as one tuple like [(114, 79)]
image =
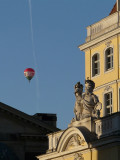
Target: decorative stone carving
[(108, 43), (75, 141), (78, 106), (91, 104), (78, 156), (107, 88), (87, 104)]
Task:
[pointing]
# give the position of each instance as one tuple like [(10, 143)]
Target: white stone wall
[(108, 125), (53, 140), (105, 25)]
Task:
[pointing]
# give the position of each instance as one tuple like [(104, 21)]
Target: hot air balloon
[(29, 73)]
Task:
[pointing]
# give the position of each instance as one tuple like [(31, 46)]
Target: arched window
[(95, 64), (109, 59)]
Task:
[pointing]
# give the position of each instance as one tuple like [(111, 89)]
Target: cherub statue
[(78, 106)]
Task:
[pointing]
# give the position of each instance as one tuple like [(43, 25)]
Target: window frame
[(109, 106), (106, 69), (97, 62)]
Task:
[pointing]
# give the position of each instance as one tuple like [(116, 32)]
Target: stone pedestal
[(88, 123)]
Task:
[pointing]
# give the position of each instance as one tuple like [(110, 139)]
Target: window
[(95, 65), (109, 59), (108, 103)]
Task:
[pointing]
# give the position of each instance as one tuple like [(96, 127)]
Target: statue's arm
[(96, 100), (98, 104)]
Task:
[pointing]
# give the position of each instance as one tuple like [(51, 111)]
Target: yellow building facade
[(102, 61), (97, 139)]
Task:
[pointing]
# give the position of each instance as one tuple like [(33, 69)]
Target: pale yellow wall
[(119, 54), (87, 155), (101, 153), (102, 91), (104, 153), (94, 155), (105, 77), (69, 158), (87, 64), (110, 153)]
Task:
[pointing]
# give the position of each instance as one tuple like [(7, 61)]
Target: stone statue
[(87, 104), (91, 104), (78, 106)]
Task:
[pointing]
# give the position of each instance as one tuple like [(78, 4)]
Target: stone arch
[(68, 134)]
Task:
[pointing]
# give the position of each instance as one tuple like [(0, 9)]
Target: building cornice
[(97, 40), (104, 85), (60, 154)]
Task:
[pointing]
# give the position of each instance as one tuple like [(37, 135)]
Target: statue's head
[(78, 88), (89, 86)]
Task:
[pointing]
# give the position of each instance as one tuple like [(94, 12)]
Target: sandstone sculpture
[(78, 105), (87, 103)]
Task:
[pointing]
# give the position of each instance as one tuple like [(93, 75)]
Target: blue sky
[(59, 26)]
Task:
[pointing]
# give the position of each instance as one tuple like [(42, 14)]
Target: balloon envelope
[(29, 73)]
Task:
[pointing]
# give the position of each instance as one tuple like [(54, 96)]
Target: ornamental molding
[(75, 141), (108, 43), (104, 85), (71, 139), (78, 156), (103, 37), (107, 88)]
